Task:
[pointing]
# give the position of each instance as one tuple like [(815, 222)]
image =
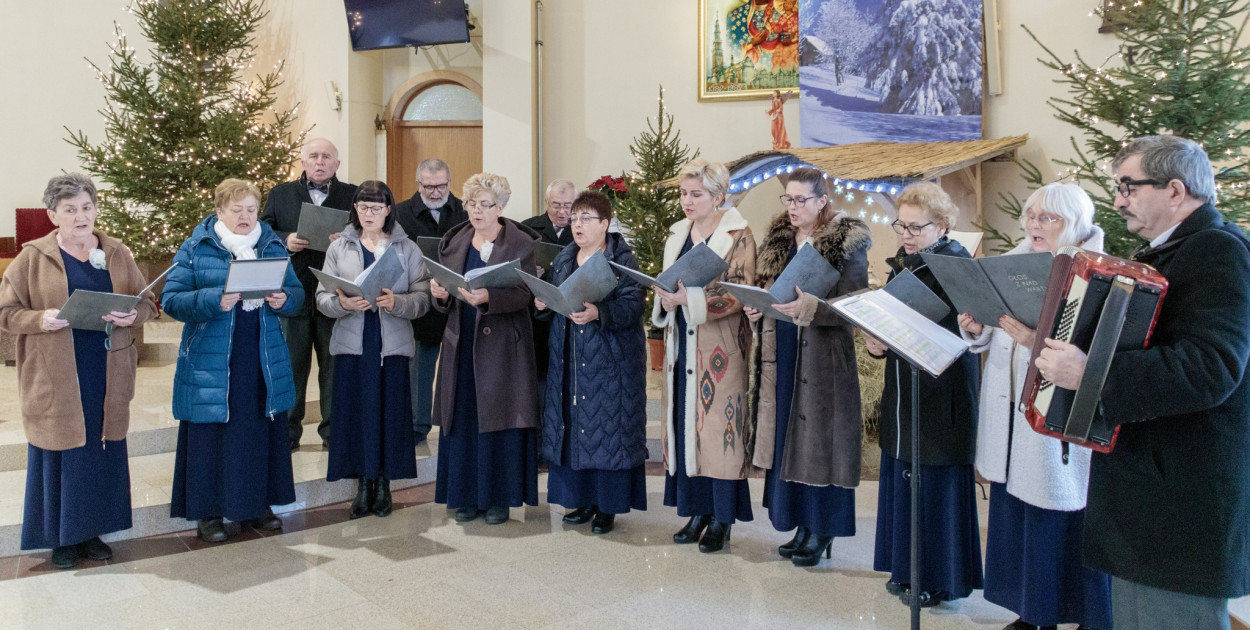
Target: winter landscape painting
[(747, 48), (889, 70)]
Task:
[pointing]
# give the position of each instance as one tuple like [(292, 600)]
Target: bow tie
[(324, 188)]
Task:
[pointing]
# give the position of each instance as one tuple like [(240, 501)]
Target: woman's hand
[(970, 325), (585, 317), (539, 304), (752, 314), (50, 323), (276, 299), (437, 291), (670, 301), (356, 303), (386, 300), (476, 298), (1018, 332), (875, 348), (228, 300), (121, 319), (791, 309)]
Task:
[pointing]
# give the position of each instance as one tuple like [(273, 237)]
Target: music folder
[(545, 254), (808, 271), (317, 223), (499, 276), (256, 278), (84, 309), (382, 274), (989, 288), (429, 246), (698, 268), (592, 282)]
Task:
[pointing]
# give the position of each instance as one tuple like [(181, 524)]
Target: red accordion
[(1100, 304)]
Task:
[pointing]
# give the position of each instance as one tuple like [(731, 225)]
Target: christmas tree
[(647, 210), (1181, 70), (175, 127), (927, 57)]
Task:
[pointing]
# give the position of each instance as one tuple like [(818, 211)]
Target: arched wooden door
[(435, 114)]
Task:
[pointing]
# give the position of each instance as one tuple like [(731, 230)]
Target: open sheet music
[(84, 310), (989, 288), (808, 271), (592, 282), (382, 274), (257, 278), (498, 276), (698, 268)]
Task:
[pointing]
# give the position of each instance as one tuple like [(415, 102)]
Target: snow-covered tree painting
[(894, 70)]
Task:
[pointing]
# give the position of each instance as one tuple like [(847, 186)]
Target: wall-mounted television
[(375, 24)]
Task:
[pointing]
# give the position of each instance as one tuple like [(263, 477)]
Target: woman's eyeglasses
[(914, 230)]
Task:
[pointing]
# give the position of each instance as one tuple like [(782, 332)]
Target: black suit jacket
[(547, 230), (415, 218), (282, 214)]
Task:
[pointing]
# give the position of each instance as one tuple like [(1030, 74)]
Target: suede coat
[(825, 426), (51, 406), (719, 434), (503, 342)]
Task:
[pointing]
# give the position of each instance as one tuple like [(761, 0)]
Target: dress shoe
[(715, 537), (212, 530), (580, 516), (382, 505), (294, 444), (603, 523), (927, 599), (1020, 624), (364, 498), (266, 522), (65, 557), (466, 514), (800, 536), (95, 549), (497, 515), (895, 588), (693, 529), (809, 554)]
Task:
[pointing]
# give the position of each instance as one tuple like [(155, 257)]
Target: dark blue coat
[(608, 415), (192, 295)]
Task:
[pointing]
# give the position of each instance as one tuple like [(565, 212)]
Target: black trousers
[(309, 332)]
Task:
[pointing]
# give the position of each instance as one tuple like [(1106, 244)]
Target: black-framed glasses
[(429, 188), (914, 230), (364, 208), (1124, 187), (786, 200)]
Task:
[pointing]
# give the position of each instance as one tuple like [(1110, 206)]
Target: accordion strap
[(1098, 363)]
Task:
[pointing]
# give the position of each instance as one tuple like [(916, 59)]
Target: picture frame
[(747, 48)]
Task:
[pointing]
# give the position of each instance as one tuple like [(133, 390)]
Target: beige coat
[(719, 435), (51, 406)]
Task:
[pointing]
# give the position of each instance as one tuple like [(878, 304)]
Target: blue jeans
[(421, 371)]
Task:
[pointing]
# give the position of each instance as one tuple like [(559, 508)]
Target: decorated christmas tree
[(1181, 69), (178, 125)]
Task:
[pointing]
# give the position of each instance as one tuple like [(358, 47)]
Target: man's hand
[(294, 243), (1062, 364)]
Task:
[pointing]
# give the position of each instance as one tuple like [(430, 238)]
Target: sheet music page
[(909, 333), (256, 278)]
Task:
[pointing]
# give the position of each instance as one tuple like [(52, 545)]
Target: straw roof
[(888, 160)]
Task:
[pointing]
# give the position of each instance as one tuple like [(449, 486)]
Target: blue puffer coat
[(608, 419), (193, 295)]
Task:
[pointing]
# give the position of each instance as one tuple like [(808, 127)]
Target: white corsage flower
[(97, 259)]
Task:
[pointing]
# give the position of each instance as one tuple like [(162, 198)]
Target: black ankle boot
[(716, 536), (364, 496), (809, 554), (65, 557), (800, 536), (212, 530), (382, 497), (693, 529)]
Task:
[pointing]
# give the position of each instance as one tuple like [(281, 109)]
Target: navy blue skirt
[(371, 435), (950, 541), (80, 493), (825, 510), (235, 469), (1033, 565)]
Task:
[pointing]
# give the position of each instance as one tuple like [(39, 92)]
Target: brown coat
[(824, 433), (51, 406), (719, 435), (503, 344)]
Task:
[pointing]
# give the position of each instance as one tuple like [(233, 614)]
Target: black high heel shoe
[(716, 536), (800, 536), (693, 529), (364, 499), (809, 554), (382, 504)]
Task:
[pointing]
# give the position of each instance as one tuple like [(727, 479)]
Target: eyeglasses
[(561, 206), (429, 188), (1043, 220), (585, 218), (472, 205), (786, 200), (370, 208), (914, 230), (1125, 186)]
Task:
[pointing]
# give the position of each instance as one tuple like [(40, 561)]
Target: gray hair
[(713, 176), (558, 185), (303, 151), (1165, 158), (1069, 202), (496, 185), (67, 186), (432, 165)]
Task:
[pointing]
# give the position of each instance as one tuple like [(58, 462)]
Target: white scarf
[(243, 247)]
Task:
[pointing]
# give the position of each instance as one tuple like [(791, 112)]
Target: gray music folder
[(545, 254), (84, 309), (809, 272), (698, 268), (499, 276), (317, 223), (592, 282), (429, 246), (989, 288), (382, 274), (257, 278)]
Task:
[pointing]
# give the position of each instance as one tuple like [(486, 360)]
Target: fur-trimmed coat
[(718, 433), (822, 443)]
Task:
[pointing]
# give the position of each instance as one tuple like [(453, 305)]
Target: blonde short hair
[(496, 185), (232, 190), (930, 197), (713, 176)]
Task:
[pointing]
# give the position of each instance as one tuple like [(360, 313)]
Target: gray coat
[(345, 259)]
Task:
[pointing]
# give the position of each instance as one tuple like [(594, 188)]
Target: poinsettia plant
[(613, 187)]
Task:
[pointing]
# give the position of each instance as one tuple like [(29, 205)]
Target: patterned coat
[(719, 435)]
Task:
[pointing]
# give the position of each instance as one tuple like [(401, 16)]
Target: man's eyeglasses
[(561, 206), (914, 230), (1125, 186), (585, 218), (429, 188), (370, 208)]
